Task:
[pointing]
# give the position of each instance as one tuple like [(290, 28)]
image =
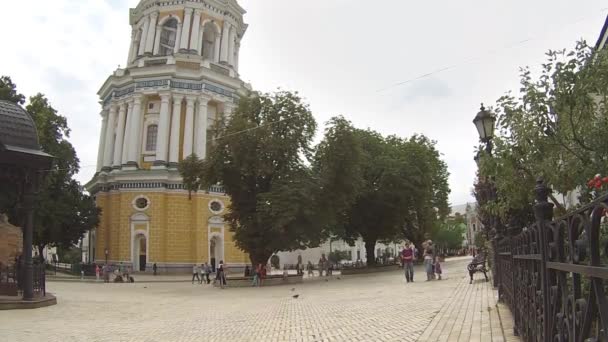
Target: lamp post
[(106, 253), (484, 122)]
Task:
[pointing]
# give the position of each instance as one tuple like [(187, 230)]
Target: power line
[(479, 57), (251, 129)]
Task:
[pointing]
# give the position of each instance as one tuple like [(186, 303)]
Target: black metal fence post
[(543, 212)]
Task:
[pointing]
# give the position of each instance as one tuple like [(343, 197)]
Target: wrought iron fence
[(553, 275), (12, 278)]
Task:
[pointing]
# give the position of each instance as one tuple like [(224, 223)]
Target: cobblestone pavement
[(379, 307)]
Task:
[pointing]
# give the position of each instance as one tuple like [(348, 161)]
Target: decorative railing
[(553, 275), (12, 280)]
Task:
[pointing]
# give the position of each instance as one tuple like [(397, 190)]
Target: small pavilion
[(23, 163)]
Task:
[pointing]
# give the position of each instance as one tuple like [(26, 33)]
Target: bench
[(478, 265)]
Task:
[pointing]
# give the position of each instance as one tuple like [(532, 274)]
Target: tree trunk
[(40, 251), (370, 253), (259, 257)]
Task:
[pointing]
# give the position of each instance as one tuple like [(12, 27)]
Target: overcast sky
[(343, 56)]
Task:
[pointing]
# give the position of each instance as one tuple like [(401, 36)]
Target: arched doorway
[(140, 248), (216, 251)]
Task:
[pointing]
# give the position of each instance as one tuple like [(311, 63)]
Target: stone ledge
[(365, 270), (274, 280), (16, 303)]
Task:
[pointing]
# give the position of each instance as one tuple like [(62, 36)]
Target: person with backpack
[(407, 256)]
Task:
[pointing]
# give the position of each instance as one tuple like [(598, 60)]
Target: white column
[(136, 124), (175, 122), (120, 134), (151, 32), (132, 47), (109, 139), (128, 132), (196, 27), (159, 30), (231, 43), (200, 41), (143, 37), (102, 138), (186, 28), (236, 56), (225, 39), (162, 143), (200, 138), (178, 38), (216, 47), (189, 126)]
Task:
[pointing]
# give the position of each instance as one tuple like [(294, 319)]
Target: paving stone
[(376, 307)]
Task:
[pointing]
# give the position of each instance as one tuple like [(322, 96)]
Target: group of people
[(203, 271), (120, 274), (258, 274), (432, 264)]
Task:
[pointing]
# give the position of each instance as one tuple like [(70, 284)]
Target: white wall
[(314, 254)]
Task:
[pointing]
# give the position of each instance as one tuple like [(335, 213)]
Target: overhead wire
[(479, 57)]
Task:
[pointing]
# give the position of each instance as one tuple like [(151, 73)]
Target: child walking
[(438, 268)]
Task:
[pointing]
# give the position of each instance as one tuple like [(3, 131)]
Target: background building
[(181, 76)]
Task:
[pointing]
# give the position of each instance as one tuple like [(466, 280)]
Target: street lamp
[(106, 253), (484, 122)]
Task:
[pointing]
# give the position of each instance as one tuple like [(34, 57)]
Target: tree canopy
[(554, 128), (261, 156), (63, 211), (386, 188), (450, 233)]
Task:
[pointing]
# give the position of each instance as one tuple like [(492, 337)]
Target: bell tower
[(181, 76)]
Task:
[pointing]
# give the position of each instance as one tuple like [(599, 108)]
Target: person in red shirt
[(407, 256)]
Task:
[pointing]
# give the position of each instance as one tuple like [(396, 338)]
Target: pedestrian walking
[(221, 274), (200, 274), (323, 265), (97, 271), (407, 256), (310, 268), (438, 268), (257, 273), (429, 260), (195, 273), (263, 275), (154, 268), (207, 271), (106, 273)]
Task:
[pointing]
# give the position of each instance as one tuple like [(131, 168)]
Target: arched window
[(151, 137), (210, 39), (167, 37)]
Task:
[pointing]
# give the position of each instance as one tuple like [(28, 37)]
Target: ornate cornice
[(200, 87)]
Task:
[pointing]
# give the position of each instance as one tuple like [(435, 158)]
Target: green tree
[(63, 211), (398, 189), (555, 128), (259, 156), (8, 91), (450, 233), (190, 169)]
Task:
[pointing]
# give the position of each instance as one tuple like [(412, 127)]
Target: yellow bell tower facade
[(181, 76)]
